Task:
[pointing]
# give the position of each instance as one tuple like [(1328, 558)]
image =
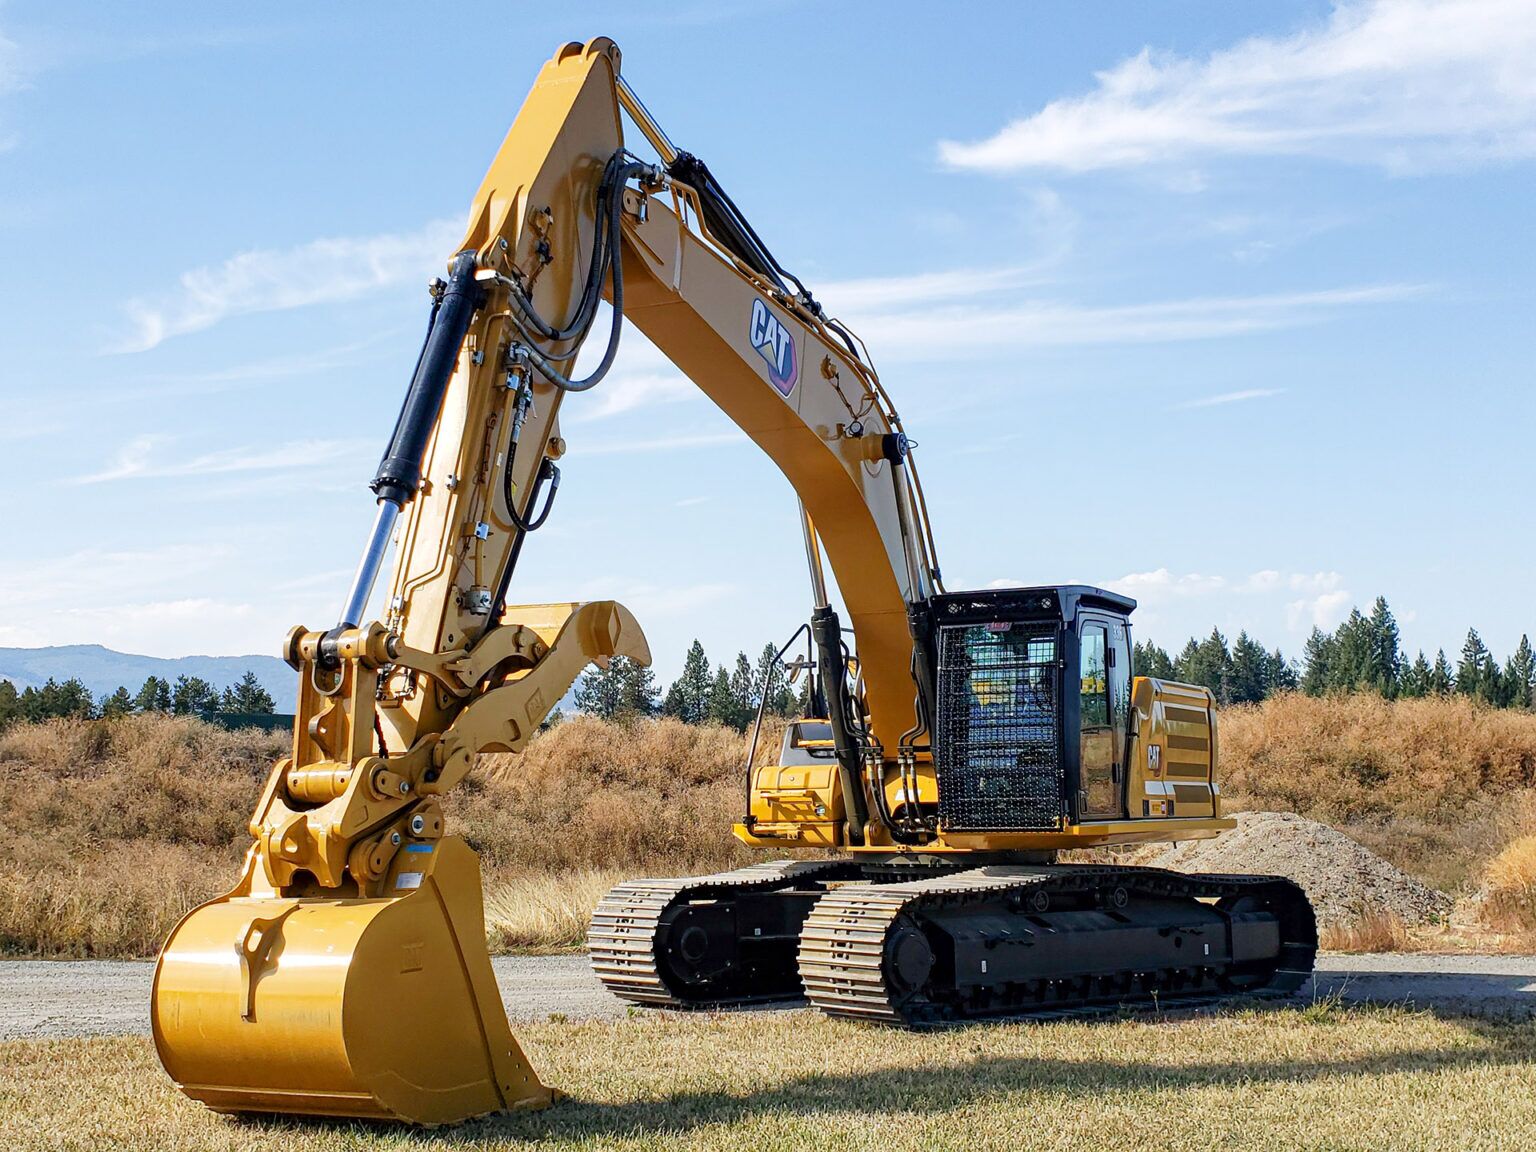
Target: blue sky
[(1226, 306)]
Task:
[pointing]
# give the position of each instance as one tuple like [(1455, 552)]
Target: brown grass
[(1323, 1077), (1436, 786), (1373, 932), (1509, 888), (545, 911), (109, 831)]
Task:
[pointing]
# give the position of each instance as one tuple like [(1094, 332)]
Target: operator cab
[(1033, 702)]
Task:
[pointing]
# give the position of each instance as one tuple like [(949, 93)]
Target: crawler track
[(637, 936), (1018, 940)]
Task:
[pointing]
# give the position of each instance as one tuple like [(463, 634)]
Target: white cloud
[(1232, 397), (663, 444), (882, 293), (981, 326), (270, 280), (625, 391), (138, 460), (1268, 603), (1406, 85)]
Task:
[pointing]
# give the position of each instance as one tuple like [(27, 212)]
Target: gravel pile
[(1343, 879)]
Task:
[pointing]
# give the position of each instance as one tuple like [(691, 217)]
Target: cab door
[(1095, 736), (1103, 696)]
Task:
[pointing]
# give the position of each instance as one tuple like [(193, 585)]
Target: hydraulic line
[(607, 252)]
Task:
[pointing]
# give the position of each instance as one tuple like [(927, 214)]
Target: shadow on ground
[(933, 1088)]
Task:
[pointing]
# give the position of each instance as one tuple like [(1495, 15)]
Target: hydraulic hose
[(609, 252)]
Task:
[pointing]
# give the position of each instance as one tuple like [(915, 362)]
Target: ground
[(1381, 1052), (1311, 1076)]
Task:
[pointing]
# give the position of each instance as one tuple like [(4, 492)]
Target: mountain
[(102, 669)]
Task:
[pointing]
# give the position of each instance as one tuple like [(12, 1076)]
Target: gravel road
[(111, 998)]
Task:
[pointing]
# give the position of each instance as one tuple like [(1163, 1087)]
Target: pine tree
[(247, 697), (772, 682), (1441, 680), (71, 698), (1417, 677), (1353, 654), (638, 695), (744, 689), (117, 704), (1318, 658), (193, 694), (1150, 660), (154, 696), (1384, 658), (688, 697), (597, 692), (1471, 675), (1247, 680), (1279, 674), (1185, 666), (1210, 664), (722, 706), (1519, 674), (10, 704)]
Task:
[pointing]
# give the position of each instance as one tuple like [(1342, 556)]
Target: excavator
[(958, 743)]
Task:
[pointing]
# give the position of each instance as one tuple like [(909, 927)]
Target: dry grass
[(1435, 786), (544, 911), (109, 831), (1373, 932), (1509, 888), (1319, 1077)]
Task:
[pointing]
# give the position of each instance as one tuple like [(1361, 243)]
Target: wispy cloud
[(885, 292), (141, 459), (1406, 85), (270, 280), (1231, 397), (984, 325), (663, 444)]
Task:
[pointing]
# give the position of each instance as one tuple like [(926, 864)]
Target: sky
[(1227, 307)]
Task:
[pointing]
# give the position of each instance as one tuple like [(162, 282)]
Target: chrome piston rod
[(368, 567)]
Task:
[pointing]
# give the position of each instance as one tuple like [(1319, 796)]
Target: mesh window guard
[(998, 752)]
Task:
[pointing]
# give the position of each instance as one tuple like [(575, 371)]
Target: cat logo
[(775, 345)]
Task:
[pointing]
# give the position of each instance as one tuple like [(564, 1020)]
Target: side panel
[(1173, 750)]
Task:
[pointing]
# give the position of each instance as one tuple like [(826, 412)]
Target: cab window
[(1095, 680)]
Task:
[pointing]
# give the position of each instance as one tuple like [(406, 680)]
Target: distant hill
[(102, 669)]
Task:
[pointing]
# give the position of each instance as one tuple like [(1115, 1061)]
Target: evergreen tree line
[(186, 696), (1364, 654), (727, 694)]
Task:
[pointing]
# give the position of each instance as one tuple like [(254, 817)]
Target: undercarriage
[(921, 943)]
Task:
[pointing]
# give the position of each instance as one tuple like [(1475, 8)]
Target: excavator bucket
[(383, 1008)]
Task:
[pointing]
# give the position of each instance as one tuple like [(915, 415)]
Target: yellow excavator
[(958, 742)]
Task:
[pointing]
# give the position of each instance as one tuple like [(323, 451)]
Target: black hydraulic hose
[(728, 225), (499, 603), (616, 264), (548, 470), (399, 474), (827, 633), (592, 290)]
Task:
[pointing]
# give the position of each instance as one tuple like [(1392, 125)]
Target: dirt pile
[(1344, 880)]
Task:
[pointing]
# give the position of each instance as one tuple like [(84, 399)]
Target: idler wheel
[(910, 956)]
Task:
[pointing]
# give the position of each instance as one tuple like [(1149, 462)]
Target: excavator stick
[(347, 974)]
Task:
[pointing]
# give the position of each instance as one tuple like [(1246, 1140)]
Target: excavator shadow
[(936, 1088), (921, 1087)]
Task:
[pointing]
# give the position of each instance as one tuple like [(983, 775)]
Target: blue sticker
[(418, 847)]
